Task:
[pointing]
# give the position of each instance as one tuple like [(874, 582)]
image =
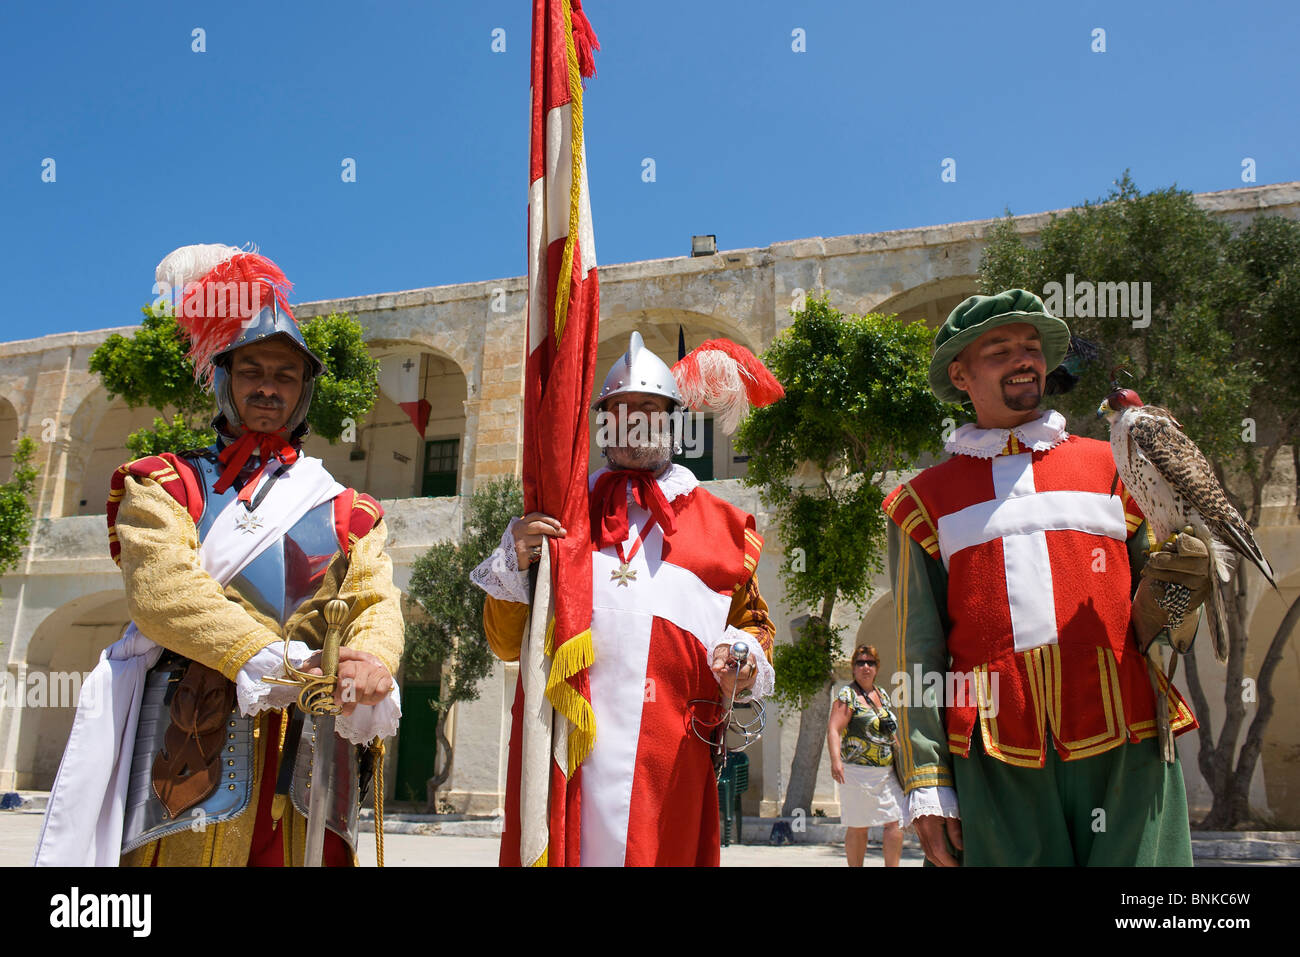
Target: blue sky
[(156, 146)]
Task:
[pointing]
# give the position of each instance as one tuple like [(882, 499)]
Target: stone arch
[(389, 457), (62, 651), (931, 301), (697, 326), (878, 628), (95, 440)]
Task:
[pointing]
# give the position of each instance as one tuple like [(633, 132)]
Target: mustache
[(266, 402)]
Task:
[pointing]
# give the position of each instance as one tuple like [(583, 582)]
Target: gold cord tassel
[(378, 750), (279, 801)]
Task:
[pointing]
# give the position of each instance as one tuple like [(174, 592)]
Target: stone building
[(64, 602)]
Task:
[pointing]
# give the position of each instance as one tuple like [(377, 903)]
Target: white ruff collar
[(1043, 433), (678, 481)]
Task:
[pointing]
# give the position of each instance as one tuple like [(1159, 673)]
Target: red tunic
[(648, 791), (1039, 600)]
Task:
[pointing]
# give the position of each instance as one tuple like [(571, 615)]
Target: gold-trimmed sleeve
[(375, 603), (920, 586), (169, 596)]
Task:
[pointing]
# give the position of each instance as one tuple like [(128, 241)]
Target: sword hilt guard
[(317, 691)]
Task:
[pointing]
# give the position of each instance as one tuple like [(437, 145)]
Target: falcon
[(1176, 489)]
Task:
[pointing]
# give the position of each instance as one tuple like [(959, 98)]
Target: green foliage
[(857, 404), (1222, 341), (1260, 305), (15, 505), (150, 369), (804, 665), (347, 388), (451, 629), (173, 436)]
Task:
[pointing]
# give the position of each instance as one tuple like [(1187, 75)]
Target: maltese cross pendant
[(623, 575), (248, 522)]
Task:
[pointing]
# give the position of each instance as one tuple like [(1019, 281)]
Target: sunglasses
[(859, 664)]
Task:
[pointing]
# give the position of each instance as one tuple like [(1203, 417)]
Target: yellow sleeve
[(749, 613), (375, 603), (171, 599), (504, 623)]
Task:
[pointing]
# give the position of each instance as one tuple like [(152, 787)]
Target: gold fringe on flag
[(566, 661)]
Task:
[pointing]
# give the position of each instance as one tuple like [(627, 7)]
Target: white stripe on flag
[(548, 216)]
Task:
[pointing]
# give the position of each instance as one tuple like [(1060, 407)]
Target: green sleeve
[(920, 586), (1138, 545)]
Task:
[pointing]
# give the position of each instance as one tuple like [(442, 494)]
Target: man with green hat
[(1014, 566)]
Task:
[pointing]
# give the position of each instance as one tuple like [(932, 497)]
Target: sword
[(320, 785), (317, 699)]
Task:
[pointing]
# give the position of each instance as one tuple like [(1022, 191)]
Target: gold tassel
[(378, 750), (280, 800)]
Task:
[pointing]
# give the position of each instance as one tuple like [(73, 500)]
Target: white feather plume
[(188, 264), (721, 388)]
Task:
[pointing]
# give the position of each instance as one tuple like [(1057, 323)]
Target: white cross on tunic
[(1021, 516), (621, 623)]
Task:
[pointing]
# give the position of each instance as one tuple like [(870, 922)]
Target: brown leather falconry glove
[(1183, 561)]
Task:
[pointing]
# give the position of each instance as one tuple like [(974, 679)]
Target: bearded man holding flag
[(604, 769)]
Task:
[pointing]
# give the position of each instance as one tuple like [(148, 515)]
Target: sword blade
[(320, 789)]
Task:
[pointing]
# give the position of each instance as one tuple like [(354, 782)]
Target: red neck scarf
[(268, 446), (608, 503)]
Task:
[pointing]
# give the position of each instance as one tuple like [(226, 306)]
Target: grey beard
[(653, 457)]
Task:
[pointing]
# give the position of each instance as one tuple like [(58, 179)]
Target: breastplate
[(289, 571), (277, 583)]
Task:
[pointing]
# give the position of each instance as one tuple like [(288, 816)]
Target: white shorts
[(870, 796)]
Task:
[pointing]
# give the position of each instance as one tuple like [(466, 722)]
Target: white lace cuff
[(499, 574), (939, 801), (370, 721), (254, 694), (766, 679)]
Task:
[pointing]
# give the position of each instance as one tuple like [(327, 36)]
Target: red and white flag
[(554, 728), (399, 379)]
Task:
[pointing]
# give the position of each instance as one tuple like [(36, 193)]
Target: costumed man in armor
[(1022, 576), (673, 587), (180, 753)]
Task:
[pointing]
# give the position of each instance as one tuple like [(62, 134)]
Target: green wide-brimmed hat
[(976, 316)]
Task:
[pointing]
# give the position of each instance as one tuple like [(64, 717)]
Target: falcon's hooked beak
[(1104, 409)]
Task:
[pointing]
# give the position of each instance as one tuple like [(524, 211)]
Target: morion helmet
[(228, 298)]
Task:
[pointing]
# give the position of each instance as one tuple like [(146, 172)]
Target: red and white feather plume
[(217, 286), (727, 378)]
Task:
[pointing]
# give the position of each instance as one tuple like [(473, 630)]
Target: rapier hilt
[(317, 691), (714, 732)]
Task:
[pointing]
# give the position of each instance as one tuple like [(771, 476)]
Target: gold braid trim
[(575, 173)]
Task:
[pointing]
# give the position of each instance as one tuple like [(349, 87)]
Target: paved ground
[(20, 829)]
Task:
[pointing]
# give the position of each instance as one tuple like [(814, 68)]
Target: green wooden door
[(417, 744)]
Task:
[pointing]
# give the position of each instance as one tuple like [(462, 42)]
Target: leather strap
[(187, 769)]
